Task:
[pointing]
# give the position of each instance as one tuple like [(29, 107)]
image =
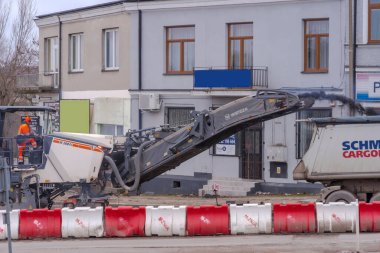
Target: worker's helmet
[(27, 119)]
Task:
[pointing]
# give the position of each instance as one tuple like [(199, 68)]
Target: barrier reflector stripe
[(82, 222), (207, 220), (294, 218), (124, 221), (14, 219), (40, 223), (336, 217), (251, 219)]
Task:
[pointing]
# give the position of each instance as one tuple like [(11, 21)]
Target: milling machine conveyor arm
[(209, 128)]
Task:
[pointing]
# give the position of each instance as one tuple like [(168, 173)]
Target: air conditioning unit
[(149, 102)]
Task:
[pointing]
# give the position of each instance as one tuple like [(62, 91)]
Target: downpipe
[(138, 165)]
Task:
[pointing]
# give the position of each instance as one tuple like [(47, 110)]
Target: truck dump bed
[(342, 148)]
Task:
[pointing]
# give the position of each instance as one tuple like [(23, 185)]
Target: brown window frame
[(318, 69), (182, 42), (371, 6), (242, 39)]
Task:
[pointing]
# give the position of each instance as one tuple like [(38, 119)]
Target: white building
[(182, 55)]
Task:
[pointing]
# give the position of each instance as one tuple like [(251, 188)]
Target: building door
[(251, 152)]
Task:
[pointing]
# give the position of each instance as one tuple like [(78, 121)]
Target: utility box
[(277, 154), (278, 170), (149, 102)]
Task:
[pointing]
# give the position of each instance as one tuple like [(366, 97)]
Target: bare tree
[(18, 51)]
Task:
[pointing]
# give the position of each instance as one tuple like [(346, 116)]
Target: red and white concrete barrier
[(124, 221)]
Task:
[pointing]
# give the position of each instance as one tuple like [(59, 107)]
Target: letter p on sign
[(376, 85)]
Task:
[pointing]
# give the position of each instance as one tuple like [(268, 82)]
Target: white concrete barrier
[(251, 219), (165, 221), (337, 217), (15, 223), (82, 222)]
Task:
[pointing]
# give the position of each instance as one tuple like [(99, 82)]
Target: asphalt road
[(342, 243)]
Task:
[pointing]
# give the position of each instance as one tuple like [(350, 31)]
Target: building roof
[(91, 7)]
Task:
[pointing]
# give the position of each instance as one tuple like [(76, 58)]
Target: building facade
[(84, 53), (150, 63)]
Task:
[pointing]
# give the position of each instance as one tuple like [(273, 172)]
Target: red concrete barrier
[(369, 217), (207, 220), (124, 221), (294, 218), (40, 223)]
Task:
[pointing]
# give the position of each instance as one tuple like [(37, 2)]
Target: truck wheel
[(341, 196), (375, 197)]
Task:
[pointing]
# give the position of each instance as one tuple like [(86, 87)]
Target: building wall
[(278, 41), (277, 44), (107, 90)]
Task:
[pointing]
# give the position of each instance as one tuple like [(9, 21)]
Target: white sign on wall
[(226, 146), (368, 86)]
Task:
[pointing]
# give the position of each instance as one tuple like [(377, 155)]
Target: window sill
[(76, 71), (315, 72), (373, 42), (178, 73), (50, 73), (110, 69)]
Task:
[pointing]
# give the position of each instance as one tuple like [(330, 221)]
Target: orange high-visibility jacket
[(24, 129)]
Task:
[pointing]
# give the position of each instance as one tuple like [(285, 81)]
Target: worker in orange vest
[(24, 132)]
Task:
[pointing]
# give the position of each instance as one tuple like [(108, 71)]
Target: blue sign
[(222, 78)]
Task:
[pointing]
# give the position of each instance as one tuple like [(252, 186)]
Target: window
[(76, 52), (305, 129), (180, 49), (374, 21), (111, 49), (316, 45), (240, 45), (51, 55), (108, 129), (178, 116)]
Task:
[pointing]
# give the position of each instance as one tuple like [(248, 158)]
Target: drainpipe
[(60, 66), (354, 49), (140, 63), (60, 59), (350, 54)]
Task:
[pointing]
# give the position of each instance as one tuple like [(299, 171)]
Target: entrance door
[(251, 156)]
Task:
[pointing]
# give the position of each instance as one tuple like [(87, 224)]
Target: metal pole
[(8, 207), (357, 227)]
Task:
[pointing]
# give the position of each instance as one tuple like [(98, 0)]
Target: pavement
[(302, 243)]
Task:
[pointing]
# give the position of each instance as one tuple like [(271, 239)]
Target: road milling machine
[(62, 160)]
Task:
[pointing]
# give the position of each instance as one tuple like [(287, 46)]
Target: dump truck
[(344, 155), (89, 162)]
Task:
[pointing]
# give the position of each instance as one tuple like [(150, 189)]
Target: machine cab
[(25, 150)]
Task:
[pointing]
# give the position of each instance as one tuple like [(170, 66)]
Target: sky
[(51, 6)]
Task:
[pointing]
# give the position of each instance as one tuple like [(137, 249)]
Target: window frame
[(51, 64), (318, 69), (298, 128), (182, 42), (79, 56), (115, 49), (166, 114), (115, 128), (371, 6), (242, 39)]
